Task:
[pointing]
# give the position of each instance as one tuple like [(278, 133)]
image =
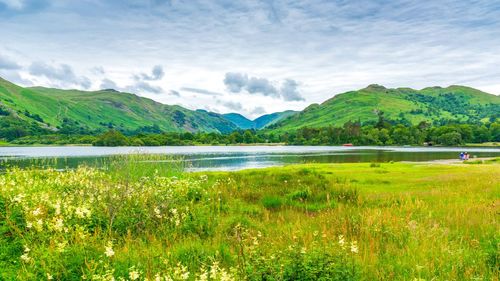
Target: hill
[(261, 122), (55, 109), (433, 104)]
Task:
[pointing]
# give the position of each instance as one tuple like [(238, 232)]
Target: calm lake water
[(199, 158)]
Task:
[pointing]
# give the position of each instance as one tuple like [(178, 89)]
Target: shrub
[(272, 202)]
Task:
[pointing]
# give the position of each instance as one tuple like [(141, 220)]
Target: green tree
[(111, 138)]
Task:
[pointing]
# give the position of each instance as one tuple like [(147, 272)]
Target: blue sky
[(251, 57)]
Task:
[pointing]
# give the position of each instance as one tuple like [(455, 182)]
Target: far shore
[(487, 144)]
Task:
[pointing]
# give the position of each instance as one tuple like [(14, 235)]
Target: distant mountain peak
[(110, 90), (375, 88)]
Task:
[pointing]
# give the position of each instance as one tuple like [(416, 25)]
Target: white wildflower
[(49, 276), (61, 246), (18, 198), (133, 274), (354, 247), (341, 240), (157, 212), (58, 224), (109, 250), (37, 212), (25, 257)]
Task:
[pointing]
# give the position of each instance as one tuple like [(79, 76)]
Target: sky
[(251, 57)]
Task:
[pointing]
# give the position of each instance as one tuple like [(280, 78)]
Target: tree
[(450, 139), (111, 138)]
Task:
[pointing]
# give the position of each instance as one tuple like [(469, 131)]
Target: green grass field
[(139, 219)]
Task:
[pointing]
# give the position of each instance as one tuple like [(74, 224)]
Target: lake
[(199, 158)]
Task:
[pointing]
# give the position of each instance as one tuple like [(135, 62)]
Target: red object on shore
[(347, 144)]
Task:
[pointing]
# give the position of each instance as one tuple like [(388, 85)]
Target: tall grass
[(141, 217)]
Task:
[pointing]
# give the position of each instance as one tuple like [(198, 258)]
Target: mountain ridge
[(259, 122), (430, 104)]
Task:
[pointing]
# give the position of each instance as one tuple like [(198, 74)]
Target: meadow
[(143, 218)]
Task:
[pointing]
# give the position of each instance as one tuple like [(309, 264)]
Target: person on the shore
[(462, 156)]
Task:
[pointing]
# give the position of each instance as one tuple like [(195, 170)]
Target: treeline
[(351, 132), (382, 132)]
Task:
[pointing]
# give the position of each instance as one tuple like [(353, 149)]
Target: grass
[(97, 109), (484, 144), (395, 103), (140, 218)]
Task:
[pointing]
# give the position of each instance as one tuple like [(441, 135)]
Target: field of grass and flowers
[(142, 218)]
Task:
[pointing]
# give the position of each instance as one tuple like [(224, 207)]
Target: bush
[(272, 202), (111, 138)]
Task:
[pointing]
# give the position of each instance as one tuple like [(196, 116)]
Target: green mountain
[(239, 120), (430, 104), (269, 119), (53, 109), (261, 122)]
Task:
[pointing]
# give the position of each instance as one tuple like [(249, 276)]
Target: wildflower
[(37, 212), (82, 212), (61, 246), (354, 247), (157, 212), (58, 225), (18, 198), (109, 250), (39, 225), (133, 274), (29, 224), (49, 276), (25, 258), (341, 240)]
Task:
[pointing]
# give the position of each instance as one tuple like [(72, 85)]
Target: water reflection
[(199, 158)]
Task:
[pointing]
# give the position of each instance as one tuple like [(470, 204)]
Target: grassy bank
[(139, 219)]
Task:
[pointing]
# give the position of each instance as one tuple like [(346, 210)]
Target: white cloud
[(323, 47)]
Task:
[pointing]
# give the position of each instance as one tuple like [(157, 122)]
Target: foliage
[(111, 138), (140, 218)]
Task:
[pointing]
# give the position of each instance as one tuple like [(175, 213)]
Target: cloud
[(200, 91), (144, 87), (289, 91), (108, 84), (157, 73), (7, 63), (239, 82), (235, 82), (259, 110), (13, 4), (61, 74), (142, 82), (174, 93), (98, 70), (262, 86), (236, 106), (23, 6)]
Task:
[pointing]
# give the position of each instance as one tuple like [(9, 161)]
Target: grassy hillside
[(239, 120), (261, 122), (429, 104), (269, 119), (102, 109), (134, 220)]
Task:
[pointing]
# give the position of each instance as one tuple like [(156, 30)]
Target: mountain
[(261, 122), (430, 104), (99, 110), (269, 119), (239, 120)]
